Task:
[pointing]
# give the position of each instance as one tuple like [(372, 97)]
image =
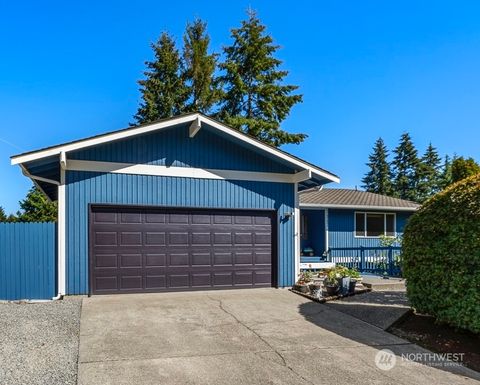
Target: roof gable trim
[(195, 118)]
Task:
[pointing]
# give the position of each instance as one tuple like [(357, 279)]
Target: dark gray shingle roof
[(333, 197)]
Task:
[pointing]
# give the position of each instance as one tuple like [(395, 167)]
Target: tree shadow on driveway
[(339, 318)]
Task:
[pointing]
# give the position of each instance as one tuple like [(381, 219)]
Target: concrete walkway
[(378, 308), (261, 336)]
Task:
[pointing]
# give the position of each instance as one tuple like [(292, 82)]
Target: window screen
[(375, 225), (390, 224), (360, 224)]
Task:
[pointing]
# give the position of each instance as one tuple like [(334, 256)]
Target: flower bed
[(330, 284)]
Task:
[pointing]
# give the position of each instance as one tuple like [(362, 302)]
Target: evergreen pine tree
[(37, 208), (255, 100), (378, 178), (405, 169), (164, 93), (446, 175), (429, 182), (3, 216), (199, 68)]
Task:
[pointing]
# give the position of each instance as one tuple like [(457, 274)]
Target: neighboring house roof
[(43, 166), (353, 199)]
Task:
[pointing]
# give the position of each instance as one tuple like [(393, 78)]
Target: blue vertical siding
[(174, 147), (27, 261), (83, 188), (341, 229)]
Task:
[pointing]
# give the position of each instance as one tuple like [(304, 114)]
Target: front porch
[(327, 238)]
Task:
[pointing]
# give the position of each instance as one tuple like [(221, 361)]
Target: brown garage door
[(151, 250)]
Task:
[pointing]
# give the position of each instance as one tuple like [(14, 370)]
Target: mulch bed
[(439, 338), (323, 299)]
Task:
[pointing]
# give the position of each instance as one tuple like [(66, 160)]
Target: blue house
[(185, 203), (337, 223)]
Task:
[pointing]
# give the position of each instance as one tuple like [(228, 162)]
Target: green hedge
[(441, 256)]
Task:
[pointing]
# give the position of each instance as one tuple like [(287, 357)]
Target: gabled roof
[(353, 199), (49, 158)]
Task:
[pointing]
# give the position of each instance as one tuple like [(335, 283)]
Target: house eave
[(357, 207), (198, 119)]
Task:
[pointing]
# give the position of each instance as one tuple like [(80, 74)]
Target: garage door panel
[(155, 260), (201, 259), (131, 282), (106, 261), (223, 279), (131, 238), (131, 218), (243, 278), (155, 282), (201, 280), (105, 238), (108, 218), (155, 238), (179, 281), (148, 249), (105, 284), (131, 260)]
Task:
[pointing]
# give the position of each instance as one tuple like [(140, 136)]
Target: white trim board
[(355, 207), (197, 119), (182, 172)]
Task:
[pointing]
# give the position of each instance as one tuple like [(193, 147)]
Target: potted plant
[(343, 278), (303, 281), (331, 283), (354, 278)]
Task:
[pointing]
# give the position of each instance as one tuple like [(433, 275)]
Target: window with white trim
[(374, 224)]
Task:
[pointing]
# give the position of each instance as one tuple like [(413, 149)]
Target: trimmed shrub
[(441, 256)]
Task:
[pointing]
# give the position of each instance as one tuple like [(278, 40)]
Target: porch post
[(296, 218), (326, 230)]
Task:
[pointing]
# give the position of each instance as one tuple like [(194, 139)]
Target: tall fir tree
[(3, 215), (255, 100), (163, 90), (446, 174), (37, 208), (429, 175), (463, 168), (405, 169), (379, 177), (199, 69)]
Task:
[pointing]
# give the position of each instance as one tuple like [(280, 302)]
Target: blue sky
[(366, 69)]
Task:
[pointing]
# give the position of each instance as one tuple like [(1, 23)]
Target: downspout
[(61, 229)]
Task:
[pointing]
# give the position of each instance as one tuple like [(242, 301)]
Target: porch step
[(380, 284)]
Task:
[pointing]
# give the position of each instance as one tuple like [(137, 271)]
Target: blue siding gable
[(174, 147)]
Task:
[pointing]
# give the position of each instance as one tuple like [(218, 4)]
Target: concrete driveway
[(256, 336)]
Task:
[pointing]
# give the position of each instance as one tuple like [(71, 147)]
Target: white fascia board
[(167, 123), (354, 207), (183, 172), (102, 139)]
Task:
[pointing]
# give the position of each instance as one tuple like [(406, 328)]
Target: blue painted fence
[(27, 261), (375, 260)]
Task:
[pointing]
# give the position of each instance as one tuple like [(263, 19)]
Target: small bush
[(441, 256)]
